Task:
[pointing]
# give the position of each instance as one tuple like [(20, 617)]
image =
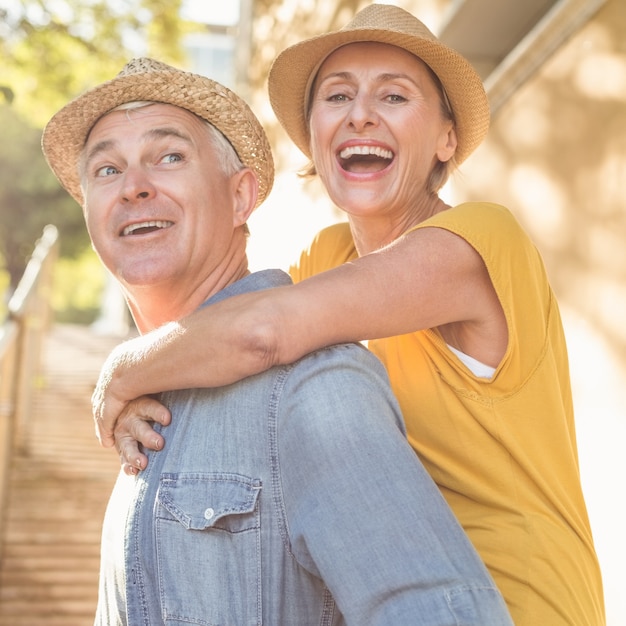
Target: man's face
[(159, 210)]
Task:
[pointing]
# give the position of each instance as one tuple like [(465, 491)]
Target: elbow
[(259, 344), (264, 331)]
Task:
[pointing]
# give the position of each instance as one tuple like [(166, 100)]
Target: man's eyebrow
[(167, 131), (154, 133), (101, 146)]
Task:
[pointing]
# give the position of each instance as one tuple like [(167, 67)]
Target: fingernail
[(138, 463), (157, 444)]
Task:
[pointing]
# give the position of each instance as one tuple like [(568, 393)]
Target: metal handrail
[(21, 336)]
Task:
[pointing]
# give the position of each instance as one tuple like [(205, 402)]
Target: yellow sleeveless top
[(502, 450)]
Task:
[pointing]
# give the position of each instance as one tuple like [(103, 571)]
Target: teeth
[(151, 224), (346, 153)]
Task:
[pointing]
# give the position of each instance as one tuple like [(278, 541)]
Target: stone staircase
[(59, 487)]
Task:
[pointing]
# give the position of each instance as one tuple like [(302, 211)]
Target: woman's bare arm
[(428, 278)]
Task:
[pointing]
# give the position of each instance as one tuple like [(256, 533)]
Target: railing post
[(9, 333), (21, 339), (30, 306)]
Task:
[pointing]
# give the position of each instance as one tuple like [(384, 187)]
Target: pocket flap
[(198, 501)]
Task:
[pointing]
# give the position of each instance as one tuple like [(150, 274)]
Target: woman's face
[(377, 129)]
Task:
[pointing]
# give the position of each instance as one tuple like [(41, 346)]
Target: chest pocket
[(208, 532)]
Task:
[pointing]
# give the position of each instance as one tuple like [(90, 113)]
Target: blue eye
[(107, 170), (172, 158)]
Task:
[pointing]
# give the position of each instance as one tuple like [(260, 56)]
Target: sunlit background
[(555, 155)]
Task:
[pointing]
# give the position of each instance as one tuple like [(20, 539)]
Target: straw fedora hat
[(294, 70), (148, 80)]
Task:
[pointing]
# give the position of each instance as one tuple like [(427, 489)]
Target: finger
[(155, 411), (131, 456), (129, 469), (147, 409), (133, 433), (140, 431)]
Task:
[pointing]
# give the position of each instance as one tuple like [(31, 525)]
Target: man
[(291, 497)]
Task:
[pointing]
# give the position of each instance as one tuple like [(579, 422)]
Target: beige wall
[(556, 155)]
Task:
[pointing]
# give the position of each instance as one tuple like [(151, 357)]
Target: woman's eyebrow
[(395, 76), (381, 78)]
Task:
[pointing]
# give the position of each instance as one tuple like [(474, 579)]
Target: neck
[(153, 306), (370, 233)]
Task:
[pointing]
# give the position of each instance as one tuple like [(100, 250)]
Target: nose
[(362, 113), (136, 186)]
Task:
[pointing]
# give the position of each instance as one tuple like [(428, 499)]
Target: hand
[(111, 394), (135, 368), (134, 428), (106, 409)]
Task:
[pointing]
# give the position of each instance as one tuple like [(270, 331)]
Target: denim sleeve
[(359, 509)]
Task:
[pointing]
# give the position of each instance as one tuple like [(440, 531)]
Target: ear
[(245, 189), (447, 144)]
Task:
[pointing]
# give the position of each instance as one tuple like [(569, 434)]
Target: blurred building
[(221, 48)]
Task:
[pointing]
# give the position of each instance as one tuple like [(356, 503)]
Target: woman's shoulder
[(331, 247), (489, 228), (339, 232), (475, 216)]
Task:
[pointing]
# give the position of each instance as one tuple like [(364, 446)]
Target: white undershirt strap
[(476, 367)]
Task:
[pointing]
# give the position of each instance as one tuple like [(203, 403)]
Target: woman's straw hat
[(148, 80), (294, 71)]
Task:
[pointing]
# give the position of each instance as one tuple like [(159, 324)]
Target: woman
[(455, 299)]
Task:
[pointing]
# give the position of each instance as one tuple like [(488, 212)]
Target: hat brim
[(294, 69), (65, 135)]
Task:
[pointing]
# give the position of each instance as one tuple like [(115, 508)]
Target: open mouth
[(141, 228), (365, 159)]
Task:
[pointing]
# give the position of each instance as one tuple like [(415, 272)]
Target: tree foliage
[(51, 52), (30, 197)]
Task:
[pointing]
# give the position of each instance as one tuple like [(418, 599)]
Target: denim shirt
[(289, 498)]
